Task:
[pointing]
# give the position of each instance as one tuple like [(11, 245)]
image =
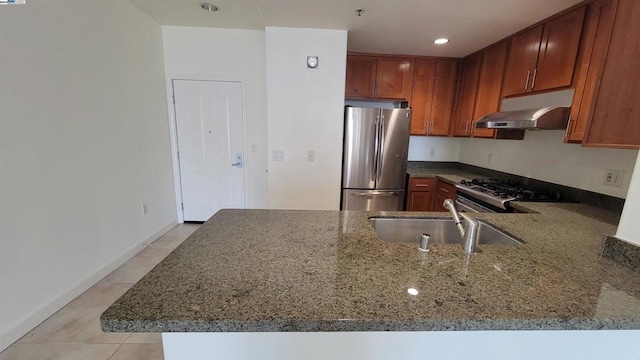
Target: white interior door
[(210, 146)]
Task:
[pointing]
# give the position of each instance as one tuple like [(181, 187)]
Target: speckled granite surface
[(273, 270), (451, 176), (622, 252)]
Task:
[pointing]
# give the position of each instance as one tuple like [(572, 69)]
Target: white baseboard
[(57, 303)]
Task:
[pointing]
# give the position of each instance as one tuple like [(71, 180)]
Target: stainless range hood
[(546, 118)]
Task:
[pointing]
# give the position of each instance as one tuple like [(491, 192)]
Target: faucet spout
[(470, 234), (451, 206)]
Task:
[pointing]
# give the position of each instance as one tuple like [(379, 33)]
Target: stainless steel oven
[(467, 205)]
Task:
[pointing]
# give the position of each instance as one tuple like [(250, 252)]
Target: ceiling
[(386, 26)]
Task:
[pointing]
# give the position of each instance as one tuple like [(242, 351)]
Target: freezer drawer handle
[(377, 193)]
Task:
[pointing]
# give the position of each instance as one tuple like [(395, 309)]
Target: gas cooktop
[(499, 192)]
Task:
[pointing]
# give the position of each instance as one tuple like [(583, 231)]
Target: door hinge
[(182, 206), (178, 153)]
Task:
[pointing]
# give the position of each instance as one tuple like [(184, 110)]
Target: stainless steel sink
[(442, 231)]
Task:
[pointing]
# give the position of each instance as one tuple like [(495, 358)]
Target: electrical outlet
[(489, 158), (432, 152), (614, 178), (145, 209), (277, 155), (311, 155)]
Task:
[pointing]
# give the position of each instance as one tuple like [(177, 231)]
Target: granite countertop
[(278, 270), (452, 176)]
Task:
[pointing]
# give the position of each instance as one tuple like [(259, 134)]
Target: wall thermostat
[(312, 62)]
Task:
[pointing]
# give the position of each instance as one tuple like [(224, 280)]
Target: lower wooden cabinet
[(420, 195), (428, 194), (443, 191)]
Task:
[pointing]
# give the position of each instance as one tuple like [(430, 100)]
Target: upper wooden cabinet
[(394, 78), (489, 96), (593, 49), (614, 112), (382, 77), (544, 57), (361, 76), (433, 96), (466, 96)]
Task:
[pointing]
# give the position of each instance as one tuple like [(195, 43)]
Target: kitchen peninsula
[(249, 278)]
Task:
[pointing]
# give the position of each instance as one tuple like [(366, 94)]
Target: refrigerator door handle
[(376, 152), (380, 149), (377, 193)]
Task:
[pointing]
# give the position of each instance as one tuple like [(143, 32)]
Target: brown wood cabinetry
[(443, 191), (421, 99), (614, 116), (420, 196), (380, 77), (489, 93), (544, 57), (394, 79), (428, 194), (593, 48), (433, 95), (466, 95), (361, 76)]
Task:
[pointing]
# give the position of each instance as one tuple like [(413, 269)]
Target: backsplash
[(542, 155)]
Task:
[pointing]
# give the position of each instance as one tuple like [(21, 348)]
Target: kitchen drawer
[(445, 189), (421, 184)]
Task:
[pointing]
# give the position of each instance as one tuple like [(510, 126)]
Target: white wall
[(228, 54), (628, 229), (542, 155), (433, 148), (305, 112), (84, 142)]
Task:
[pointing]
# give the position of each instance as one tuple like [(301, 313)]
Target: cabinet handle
[(422, 185), (467, 129), (432, 123), (375, 89), (533, 82), (444, 190), (526, 84)]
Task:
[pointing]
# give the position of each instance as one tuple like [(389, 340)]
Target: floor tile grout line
[(118, 348)]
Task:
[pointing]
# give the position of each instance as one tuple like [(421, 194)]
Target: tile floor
[(74, 331)]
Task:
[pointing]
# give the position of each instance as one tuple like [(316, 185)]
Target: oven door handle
[(463, 204)]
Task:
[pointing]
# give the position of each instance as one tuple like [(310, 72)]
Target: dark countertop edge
[(363, 325), (622, 252)]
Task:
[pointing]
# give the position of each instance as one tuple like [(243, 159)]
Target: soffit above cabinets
[(390, 27)]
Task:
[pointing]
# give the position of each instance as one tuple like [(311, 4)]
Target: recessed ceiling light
[(441, 41), (209, 7)]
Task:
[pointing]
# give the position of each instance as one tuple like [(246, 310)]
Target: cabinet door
[(595, 40), (361, 76), (422, 96), (490, 85), (420, 201), (466, 97), (521, 65), (615, 118), (438, 203), (444, 90), (559, 51), (394, 78)]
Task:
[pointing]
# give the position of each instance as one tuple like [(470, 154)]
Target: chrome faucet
[(469, 235)]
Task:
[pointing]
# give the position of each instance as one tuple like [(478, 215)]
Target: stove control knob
[(496, 193)]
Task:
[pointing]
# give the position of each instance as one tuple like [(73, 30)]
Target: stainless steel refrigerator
[(376, 144)]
